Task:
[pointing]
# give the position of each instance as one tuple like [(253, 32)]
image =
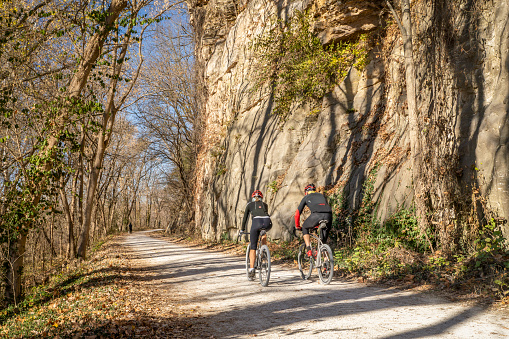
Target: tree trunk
[(49, 241), (92, 185), (14, 268), (109, 114), (149, 210), (70, 225), (111, 216), (95, 172), (405, 26), (80, 200)]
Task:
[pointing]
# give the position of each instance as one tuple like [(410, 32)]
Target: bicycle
[(323, 260), (262, 259)]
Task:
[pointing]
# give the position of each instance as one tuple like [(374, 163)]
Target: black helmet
[(310, 187)]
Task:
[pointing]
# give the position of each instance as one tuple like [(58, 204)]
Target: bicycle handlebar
[(241, 232)]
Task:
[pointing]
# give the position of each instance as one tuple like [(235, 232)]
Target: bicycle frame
[(262, 258), (259, 243), (325, 266), (316, 235)]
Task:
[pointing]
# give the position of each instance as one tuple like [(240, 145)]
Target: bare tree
[(168, 113), (115, 101)]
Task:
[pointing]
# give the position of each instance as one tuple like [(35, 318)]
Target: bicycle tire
[(247, 261), (264, 267), (305, 264), (326, 269)]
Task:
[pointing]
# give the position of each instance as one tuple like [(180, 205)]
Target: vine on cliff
[(299, 68)]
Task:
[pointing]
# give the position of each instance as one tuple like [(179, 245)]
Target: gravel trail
[(214, 285)]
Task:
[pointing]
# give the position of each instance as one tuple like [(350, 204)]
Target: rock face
[(362, 124)]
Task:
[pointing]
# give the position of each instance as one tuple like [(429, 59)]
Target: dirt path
[(214, 285)]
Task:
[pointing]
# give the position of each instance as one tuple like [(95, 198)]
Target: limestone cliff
[(462, 61)]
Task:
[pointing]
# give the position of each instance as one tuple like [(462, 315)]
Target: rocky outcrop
[(338, 21), (362, 123)]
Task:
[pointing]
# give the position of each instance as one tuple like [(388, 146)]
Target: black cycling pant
[(256, 227), (312, 221)]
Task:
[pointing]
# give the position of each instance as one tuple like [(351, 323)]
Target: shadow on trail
[(308, 310), (143, 325), (276, 318), (437, 329), (320, 308)]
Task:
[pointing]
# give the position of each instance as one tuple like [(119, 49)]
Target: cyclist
[(261, 220), (320, 210)]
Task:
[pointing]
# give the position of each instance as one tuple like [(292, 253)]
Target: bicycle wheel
[(326, 269), (264, 265), (247, 262), (305, 264)]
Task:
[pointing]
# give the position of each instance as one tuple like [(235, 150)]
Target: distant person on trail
[(130, 227), (320, 210), (261, 220)]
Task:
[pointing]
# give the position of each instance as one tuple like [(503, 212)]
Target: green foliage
[(221, 169), (404, 229), (491, 257), (437, 263), (374, 243), (30, 197), (490, 240), (398, 249), (273, 186), (225, 237), (366, 224), (338, 204), (97, 246), (299, 67), (341, 228)]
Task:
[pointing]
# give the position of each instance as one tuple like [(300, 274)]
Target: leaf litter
[(107, 296)]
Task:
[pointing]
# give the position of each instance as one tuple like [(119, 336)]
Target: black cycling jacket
[(256, 209), (316, 202)]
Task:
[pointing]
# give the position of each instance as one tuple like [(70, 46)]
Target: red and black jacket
[(316, 202)]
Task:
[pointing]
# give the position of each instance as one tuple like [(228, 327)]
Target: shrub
[(404, 229), (299, 67)]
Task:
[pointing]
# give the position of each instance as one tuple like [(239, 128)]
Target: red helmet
[(310, 187), (257, 194)]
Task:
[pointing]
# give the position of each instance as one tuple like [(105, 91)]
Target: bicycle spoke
[(247, 262), (326, 269), (264, 265), (305, 264)]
